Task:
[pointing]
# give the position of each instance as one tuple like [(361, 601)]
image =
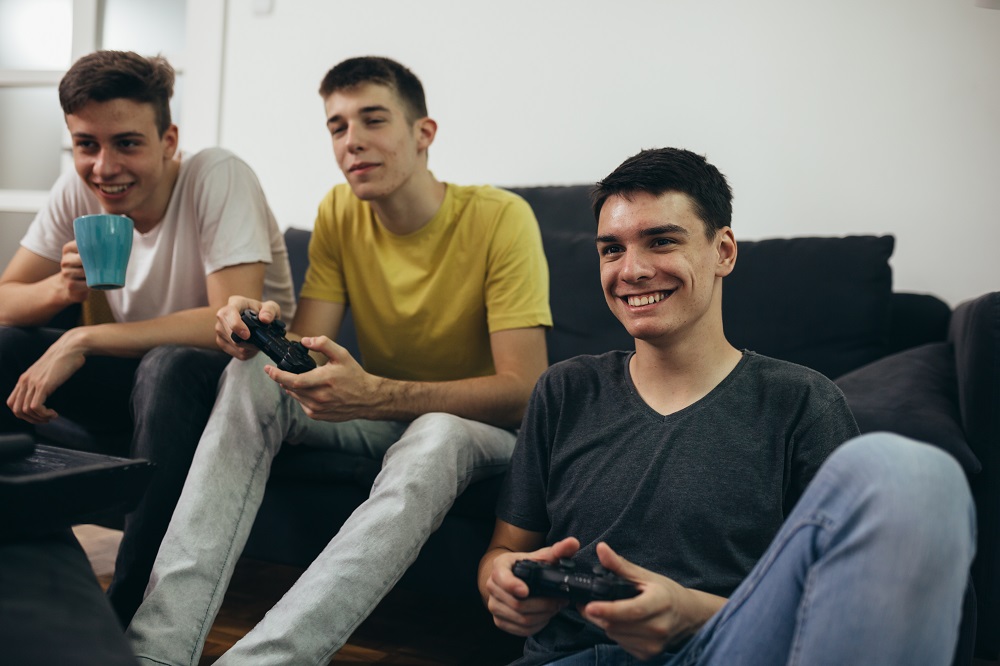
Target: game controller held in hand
[(270, 339), (563, 580)]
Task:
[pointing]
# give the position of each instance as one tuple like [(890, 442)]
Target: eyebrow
[(121, 135), (650, 231), (374, 108)]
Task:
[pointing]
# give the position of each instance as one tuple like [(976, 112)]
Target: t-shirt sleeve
[(522, 500), (233, 214), (324, 279), (517, 280), (829, 424)]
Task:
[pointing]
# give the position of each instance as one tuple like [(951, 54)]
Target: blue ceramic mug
[(104, 242)]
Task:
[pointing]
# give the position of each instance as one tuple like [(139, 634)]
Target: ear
[(170, 142), (425, 130), (725, 244)]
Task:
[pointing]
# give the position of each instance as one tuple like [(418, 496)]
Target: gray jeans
[(426, 465)]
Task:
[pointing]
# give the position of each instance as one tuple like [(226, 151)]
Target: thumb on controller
[(618, 565), (325, 346)]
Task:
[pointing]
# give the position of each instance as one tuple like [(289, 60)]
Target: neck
[(411, 206), (675, 375)]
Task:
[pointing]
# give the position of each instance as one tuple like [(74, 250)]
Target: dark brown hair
[(382, 71), (106, 75)]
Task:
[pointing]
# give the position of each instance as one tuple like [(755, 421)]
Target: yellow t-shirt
[(425, 303)]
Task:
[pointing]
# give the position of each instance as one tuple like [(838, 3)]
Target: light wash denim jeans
[(426, 465), (870, 568)]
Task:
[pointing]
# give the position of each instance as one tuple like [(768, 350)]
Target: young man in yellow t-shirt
[(449, 290)]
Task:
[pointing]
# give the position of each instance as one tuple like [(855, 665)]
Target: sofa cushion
[(821, 302), (913, 393)]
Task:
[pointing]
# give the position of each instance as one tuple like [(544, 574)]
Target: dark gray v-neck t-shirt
[(696, 495)]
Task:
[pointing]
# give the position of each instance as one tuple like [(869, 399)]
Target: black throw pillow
[(913, 393)]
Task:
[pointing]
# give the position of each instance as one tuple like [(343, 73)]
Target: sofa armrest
[(975, 334)]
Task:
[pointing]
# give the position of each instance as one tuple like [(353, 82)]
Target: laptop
[(51, 488)]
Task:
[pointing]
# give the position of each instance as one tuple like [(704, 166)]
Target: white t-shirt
[(217, 217)]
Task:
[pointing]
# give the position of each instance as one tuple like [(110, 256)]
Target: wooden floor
[(402, 631)]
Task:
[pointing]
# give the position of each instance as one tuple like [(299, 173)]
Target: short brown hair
[(382, 71), (106, 75)]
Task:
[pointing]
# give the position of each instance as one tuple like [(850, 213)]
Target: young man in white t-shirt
[(203, 232)]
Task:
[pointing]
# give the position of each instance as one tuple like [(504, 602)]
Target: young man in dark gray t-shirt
[(692, 459)]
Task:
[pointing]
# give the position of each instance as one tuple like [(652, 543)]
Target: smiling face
[(662, 276), (122, 158), (377, 147)]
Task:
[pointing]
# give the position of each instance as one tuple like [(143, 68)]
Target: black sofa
[(906, 362)]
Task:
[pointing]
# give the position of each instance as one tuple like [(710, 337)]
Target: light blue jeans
[(870, 568), (426, 465)]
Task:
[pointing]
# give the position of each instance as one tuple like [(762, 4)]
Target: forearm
[(193, 327), (32, 304), (497, 399)]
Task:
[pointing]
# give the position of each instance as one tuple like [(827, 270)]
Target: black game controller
[(270, 339), (563, 580)]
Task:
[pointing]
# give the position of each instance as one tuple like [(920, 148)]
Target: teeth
[(113, 189), (636, 301)]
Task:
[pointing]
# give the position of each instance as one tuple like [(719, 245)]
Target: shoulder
[(216, 164), (788, 387), (489, 202), (786, 374), (586, 370), (210, 157)]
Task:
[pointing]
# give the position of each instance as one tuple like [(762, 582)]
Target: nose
[(635, 267), (106, 164), (355, 138)]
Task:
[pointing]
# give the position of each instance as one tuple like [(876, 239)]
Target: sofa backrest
[(826, 303)]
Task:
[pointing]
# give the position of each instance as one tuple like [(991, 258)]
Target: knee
[(433, 440), (178, 366), (897, 461), (182, 373), (920, 489)]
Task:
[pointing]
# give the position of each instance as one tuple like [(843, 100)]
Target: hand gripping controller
[(563, 580), (270, 339)]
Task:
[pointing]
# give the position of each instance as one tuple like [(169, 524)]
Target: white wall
[(829, 118)]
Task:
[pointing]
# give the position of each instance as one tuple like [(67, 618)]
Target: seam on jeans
[(205, 624), (795, 649), (152, 660)]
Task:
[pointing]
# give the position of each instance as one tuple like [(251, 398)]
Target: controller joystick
[(563, 580), (270, 339)]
